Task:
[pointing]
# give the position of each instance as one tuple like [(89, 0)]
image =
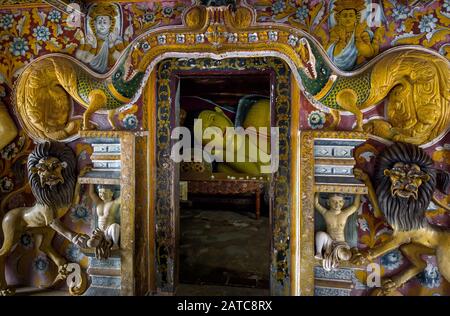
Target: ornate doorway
[(166, 215)]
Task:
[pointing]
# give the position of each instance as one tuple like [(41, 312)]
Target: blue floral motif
[(167, 12), (19, 46), (145, 46), (130, 121), (302, 13), (149, 17), (316, 119), (278, 6), (392, 260), (73, 253), (400, 12), (40, 264), (446, 6), (26, 240), (42, 33), (430, 277), (6, 21), (6, 185), (54, 16), (427, 23), (80, 214)]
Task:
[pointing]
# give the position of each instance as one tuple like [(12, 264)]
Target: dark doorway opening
[(224, 241)]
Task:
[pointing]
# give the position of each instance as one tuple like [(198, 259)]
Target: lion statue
[(404, 183), (52, 175)]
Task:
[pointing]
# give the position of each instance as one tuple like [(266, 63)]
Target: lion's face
[(406, 179), (49, 170)]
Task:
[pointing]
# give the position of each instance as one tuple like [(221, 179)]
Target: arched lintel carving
[(219, 32)]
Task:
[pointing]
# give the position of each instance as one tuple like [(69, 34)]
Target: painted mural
[(351, 32)]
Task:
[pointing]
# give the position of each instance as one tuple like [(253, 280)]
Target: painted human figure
[(331, 246), (351, 41), (103, 43), (106, 209)]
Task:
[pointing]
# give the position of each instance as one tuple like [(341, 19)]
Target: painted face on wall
[(347, 18), (102, 24)]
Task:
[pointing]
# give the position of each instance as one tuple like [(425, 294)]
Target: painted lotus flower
[(302, 13), (316, 119), (19, 46), (427, 23), (430, 277), (145, 46), (42, 33), (80, 214), (130, 121), (392, 260), (40, 264), (54, 16), (6, 21)]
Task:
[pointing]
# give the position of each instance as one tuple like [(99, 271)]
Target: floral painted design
[(428, 24), (446, 6), (279, 6), (6, 21), (19, 46), (40, 264), (130, 121), (392, 260), (400, 12), (80, 214), (54, 16), (145, 46), (430, 277), (316, 119), (149, 17), (42, 33), (302, 13), (6, 185)]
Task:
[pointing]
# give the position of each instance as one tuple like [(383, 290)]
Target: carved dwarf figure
[(331, 246), (106, 236)]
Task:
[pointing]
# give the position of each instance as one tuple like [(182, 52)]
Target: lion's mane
[(61, 194), (401, 213)]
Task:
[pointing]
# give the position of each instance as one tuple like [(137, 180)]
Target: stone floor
[(223, 249)]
